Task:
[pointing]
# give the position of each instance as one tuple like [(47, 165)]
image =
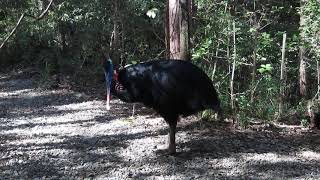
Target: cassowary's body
[(171, 87)]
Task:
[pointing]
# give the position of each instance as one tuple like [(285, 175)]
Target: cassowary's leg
[(172, 136)]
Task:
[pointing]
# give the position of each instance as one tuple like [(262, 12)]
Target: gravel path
[(61, 134)]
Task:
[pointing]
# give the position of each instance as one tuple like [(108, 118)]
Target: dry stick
[(20, 19), (282, 75)]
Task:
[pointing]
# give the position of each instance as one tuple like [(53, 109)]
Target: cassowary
[(173, 88)]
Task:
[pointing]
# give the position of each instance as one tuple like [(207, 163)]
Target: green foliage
[(305, 122), (202, 51), (311, 14), (214, 37), (76, 33), (265, 68), (152, 13), (243, 119)]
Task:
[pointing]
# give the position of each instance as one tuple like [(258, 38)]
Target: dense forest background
[(262, 55)]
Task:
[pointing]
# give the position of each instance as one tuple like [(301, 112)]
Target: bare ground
[(62, 134)]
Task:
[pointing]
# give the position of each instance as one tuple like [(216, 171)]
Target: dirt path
[(60, 134)]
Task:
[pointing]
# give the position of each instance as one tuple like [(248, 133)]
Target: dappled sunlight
[(24, 92), (271, 158), (83, 106), (152, 143), (309, 155), (60, 133), (35, 140)]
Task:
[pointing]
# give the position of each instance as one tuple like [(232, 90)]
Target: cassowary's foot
[(172, 139), (172, 149)]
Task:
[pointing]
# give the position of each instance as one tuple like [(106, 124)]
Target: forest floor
[(63, 134)]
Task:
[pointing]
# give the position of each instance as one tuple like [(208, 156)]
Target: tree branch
[(20, 19), (36, 18), (13, 30), (45, 11)]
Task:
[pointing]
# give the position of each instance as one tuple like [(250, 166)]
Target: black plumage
[(171, 87)]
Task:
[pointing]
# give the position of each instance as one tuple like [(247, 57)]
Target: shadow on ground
[(65, 134)]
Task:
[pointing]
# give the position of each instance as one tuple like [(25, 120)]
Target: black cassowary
[(171, 87)]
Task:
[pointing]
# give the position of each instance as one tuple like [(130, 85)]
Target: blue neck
[(108, 68)]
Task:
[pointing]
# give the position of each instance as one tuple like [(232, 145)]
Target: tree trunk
[(167, 31), (178, 29), (190, 12), (302, 66), (61, 54), (174, 29), (255, 44), (184, 34), (215, 61), (314, 116), (302, 73), (282, 75), (233, 68), (254, 66), (318, 79), (115, 41)]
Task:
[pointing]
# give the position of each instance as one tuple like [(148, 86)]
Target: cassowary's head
[(112, 81)]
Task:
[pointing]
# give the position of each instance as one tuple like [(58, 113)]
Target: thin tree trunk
[(215, 61), (255, 43), (62, 50), (318, 79), (302, 73), (302, 67), (228, 49), (190, 26), (233, 68), (115, 45), (311, 114), (254, 67), (282, 75), (122, 58)]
